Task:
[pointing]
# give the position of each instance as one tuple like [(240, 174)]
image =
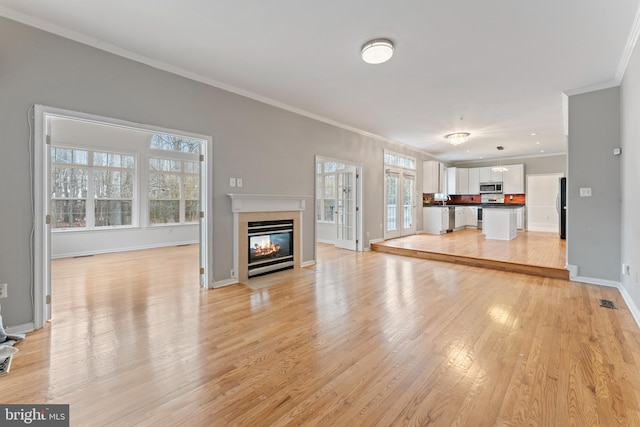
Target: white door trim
[(41, 183)]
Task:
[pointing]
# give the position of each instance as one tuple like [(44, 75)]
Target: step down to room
[(513, 267)]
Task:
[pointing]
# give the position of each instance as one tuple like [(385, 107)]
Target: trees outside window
[(326, 190), (91, 189), (94, 188)]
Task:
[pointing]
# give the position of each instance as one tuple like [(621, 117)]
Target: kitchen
[(476, 216), (491, 199)]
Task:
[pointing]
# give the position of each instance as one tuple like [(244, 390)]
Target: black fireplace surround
[(270, 246)]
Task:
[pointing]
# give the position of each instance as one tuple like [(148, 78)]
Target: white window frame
[(320, 198), (181, 174), (90, 192)]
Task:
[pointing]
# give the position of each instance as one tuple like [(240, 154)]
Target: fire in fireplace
[(270, 246)]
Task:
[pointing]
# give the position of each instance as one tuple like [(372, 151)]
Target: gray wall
[(593, 223), (271, 149), (630, 158)]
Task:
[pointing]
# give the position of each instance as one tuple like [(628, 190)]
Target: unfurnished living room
[(347, 214)]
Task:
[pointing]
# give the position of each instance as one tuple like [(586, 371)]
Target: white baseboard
[(309, 263), (573, 276), (126, 249), (635, 312), (21, 329), (327, 241), (542, 227), (222, 283)]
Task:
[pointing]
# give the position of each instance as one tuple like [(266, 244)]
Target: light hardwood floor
[(366, 339), (531, 252)]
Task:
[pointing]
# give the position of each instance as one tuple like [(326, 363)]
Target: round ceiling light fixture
[(457, 138), (377, 51)]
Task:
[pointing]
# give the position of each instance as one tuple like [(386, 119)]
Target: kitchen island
[(500, 222)]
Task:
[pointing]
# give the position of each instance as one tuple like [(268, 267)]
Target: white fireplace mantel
[(250, 205), (266, 202)]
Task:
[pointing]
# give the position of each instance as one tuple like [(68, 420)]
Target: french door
[(346, 202), (400, 206)]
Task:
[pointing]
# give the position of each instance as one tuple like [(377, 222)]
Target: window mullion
[(90, 202)]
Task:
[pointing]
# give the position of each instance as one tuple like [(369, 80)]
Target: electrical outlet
[(233, 274), (239, 182), (626, 269), (3, 290), (232, 182), (585, 192)]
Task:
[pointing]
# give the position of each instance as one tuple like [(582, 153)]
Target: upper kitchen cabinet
[(489, 175), (513, 180), (474, 181), (433, 177), (458, 181)]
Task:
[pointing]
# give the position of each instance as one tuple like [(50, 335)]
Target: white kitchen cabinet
[(462, 176), (458, 181), (435, 219), (513, 180), (452, 182), (471, 213), (461, 218), (433, 177), (499, 223), (474, 181), (520, 218), (489, 175)]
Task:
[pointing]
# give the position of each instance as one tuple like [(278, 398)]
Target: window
[(394, 159), (174, 180), (91, 188), (179, 144), (326, 190), (113, 183), (69, 187)]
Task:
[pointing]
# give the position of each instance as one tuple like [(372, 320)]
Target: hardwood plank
[(536, 253), (359, 339)]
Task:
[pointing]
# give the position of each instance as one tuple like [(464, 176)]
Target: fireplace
[(270, 246), (266, 209)]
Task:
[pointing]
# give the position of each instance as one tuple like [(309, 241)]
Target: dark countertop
[(483, 205)]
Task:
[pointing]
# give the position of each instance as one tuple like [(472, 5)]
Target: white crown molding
[(160, 65), (622, 66), (592, 88), (629, 47)]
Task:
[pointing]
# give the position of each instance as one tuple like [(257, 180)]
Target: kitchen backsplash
[(427, 198)]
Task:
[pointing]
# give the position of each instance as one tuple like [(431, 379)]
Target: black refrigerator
[(561, 205)]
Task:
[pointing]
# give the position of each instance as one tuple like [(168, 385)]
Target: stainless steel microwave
[(490, 187)]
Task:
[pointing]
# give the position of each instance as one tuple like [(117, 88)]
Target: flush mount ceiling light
[(457, 138), (377, 51)]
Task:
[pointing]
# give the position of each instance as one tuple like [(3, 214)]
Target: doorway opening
[(106, 185), (338, 197), (400, 195)]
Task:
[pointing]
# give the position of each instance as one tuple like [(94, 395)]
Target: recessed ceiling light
[(538, 142), (377, 51), (542, 151), (533, 134), (468, 151)]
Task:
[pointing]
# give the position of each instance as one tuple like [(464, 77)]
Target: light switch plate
[(232, 182), (585, 192), (239, 182)]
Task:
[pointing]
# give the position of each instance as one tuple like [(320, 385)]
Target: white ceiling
[(500, 65)]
